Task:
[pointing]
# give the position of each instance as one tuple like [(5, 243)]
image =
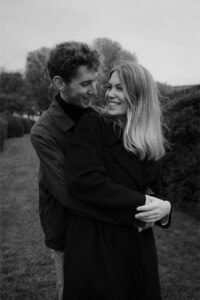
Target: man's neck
[(64, 98), (75, 112)]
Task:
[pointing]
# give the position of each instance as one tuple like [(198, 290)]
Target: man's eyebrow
[(84, 81)]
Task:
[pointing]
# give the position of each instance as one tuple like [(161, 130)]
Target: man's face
[(81, 90)]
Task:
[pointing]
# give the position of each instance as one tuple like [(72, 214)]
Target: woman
[(114, 159)]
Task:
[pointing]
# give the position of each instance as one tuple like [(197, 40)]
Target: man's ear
[(59, 83)]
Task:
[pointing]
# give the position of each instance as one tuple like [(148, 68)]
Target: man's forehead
[(84, 73)]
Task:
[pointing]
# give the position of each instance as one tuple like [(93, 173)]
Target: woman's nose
[(110, 93)]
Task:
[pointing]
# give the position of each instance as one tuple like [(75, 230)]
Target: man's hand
[(145, 226), (154, 210)]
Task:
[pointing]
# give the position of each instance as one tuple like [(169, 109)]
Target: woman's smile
[(113, 102)]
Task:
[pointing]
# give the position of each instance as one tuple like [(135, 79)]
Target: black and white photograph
[(99, 150)]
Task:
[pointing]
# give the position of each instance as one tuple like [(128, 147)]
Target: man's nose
[(93, 89)]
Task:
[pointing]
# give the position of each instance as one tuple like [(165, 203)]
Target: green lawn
[(27, 270)]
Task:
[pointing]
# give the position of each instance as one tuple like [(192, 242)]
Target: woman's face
[(115, 98)]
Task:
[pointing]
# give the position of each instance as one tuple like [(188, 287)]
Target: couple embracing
[(99, 178)]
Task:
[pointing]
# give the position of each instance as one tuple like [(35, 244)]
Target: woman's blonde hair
[(142, 131)]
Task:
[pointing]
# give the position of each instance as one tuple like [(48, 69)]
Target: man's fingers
[(146, 207), (144, 214), (150, 216), (148, 219)]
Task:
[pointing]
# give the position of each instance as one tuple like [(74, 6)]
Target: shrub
[(15, 127), (31, 122), (26, 125), (181, 165), (3, 131)]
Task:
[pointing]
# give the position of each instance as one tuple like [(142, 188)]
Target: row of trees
[(29, 92)]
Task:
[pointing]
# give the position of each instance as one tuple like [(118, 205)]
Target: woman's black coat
[(106, 257)]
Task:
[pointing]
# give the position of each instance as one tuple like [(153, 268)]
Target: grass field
[(26, 267)]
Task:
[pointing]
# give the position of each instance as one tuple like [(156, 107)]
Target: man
[(72, 67)]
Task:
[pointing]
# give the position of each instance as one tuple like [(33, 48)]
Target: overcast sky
[(164, 34)]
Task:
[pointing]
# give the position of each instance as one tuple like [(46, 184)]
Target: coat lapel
[(126, 159), (60, 117)]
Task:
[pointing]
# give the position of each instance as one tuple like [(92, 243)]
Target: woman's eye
[(119, 88), (108, 86)]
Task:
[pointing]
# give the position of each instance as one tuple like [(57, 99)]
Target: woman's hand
[(154, 210)]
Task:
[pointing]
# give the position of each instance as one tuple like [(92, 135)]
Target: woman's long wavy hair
[(142, 131)]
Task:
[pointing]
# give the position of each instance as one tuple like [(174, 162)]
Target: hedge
[(3, 131), (15, 127), (26, 125), (181, 165)]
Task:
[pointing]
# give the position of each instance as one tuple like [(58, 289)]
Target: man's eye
[(84, 84)]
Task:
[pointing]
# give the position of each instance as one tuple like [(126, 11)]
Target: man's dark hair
[(65, 58)]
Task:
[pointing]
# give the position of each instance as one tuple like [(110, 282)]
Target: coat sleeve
[(52, 163), (155, 192), (93, 193)]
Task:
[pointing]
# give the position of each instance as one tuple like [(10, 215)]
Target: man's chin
[(86, 102)]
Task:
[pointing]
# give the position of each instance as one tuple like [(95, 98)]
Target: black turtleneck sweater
[(73, 111)]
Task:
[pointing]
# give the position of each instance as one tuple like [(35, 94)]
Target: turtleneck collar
[(73, 111)]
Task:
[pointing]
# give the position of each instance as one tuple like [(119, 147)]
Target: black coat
[(49, 137), (106, 257)]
